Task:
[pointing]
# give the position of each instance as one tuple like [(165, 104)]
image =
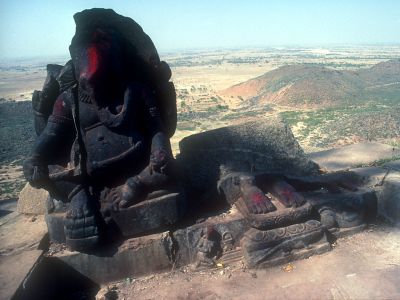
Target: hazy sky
[(36, 28)]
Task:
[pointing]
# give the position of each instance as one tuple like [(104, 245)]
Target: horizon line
[(162, 51)]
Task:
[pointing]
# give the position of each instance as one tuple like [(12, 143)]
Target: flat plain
[(204, 79)]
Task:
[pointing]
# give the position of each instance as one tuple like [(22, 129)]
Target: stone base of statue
[(284, 244), (151, 215), (208, 239), (159, 211), (311, 209)]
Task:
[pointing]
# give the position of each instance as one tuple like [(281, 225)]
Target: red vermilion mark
[(93, 57), (59, 107), (257, 198), (93, 54)]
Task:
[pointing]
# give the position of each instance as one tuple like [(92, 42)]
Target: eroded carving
[(104, 121), (261, 247)]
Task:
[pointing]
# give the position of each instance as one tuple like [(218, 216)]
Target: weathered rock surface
[(364, 266), (14, 269), (281, 245), (389, 198), (352, 156), (229, 229), (32, 201), (372, 176), (21, 239), (385, 181), (344, 213), (150, 215), (135, 257), (266, 145), (392, 165)]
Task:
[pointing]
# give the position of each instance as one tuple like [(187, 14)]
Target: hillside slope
[(308, 85)]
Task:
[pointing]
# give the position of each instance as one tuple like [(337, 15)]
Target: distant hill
[(309, 85)]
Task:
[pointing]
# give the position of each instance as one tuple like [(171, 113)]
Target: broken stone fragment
[(281, 245), (32, 201)]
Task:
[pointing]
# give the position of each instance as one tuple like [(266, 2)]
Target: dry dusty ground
[(363, 266)]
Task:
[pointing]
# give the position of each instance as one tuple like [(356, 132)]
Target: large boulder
[(266, 145)]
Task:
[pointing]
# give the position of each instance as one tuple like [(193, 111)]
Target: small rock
[(288, 268), (32, 201)]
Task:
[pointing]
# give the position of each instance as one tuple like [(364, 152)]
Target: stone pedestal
[(134, 257), (145, 217), (281, 245), (150, 215)]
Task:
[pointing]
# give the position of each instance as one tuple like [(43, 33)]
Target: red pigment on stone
[(93, 55), (257, 198)]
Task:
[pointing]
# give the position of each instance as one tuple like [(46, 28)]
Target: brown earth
[(363, 266), (198, 78), (312, 85)]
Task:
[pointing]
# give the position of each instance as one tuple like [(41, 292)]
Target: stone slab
[(385, 181), (22, 240), (389, 198), (14, 269), (344, 232), (296, 255), (21, 233), (148, 216), (155, 214), (135, 257), (392, 165), (352, 156), (364, 200), (32, 201), (372, 176)]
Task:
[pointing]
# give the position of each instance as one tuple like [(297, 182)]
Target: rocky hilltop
[(314, 85)]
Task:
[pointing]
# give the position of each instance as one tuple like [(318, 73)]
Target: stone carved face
[(98, 64)]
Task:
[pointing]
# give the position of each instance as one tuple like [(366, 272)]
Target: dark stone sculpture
[(103, 122), (208, 248), (267, 145), (280, 245), (292, 210)]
